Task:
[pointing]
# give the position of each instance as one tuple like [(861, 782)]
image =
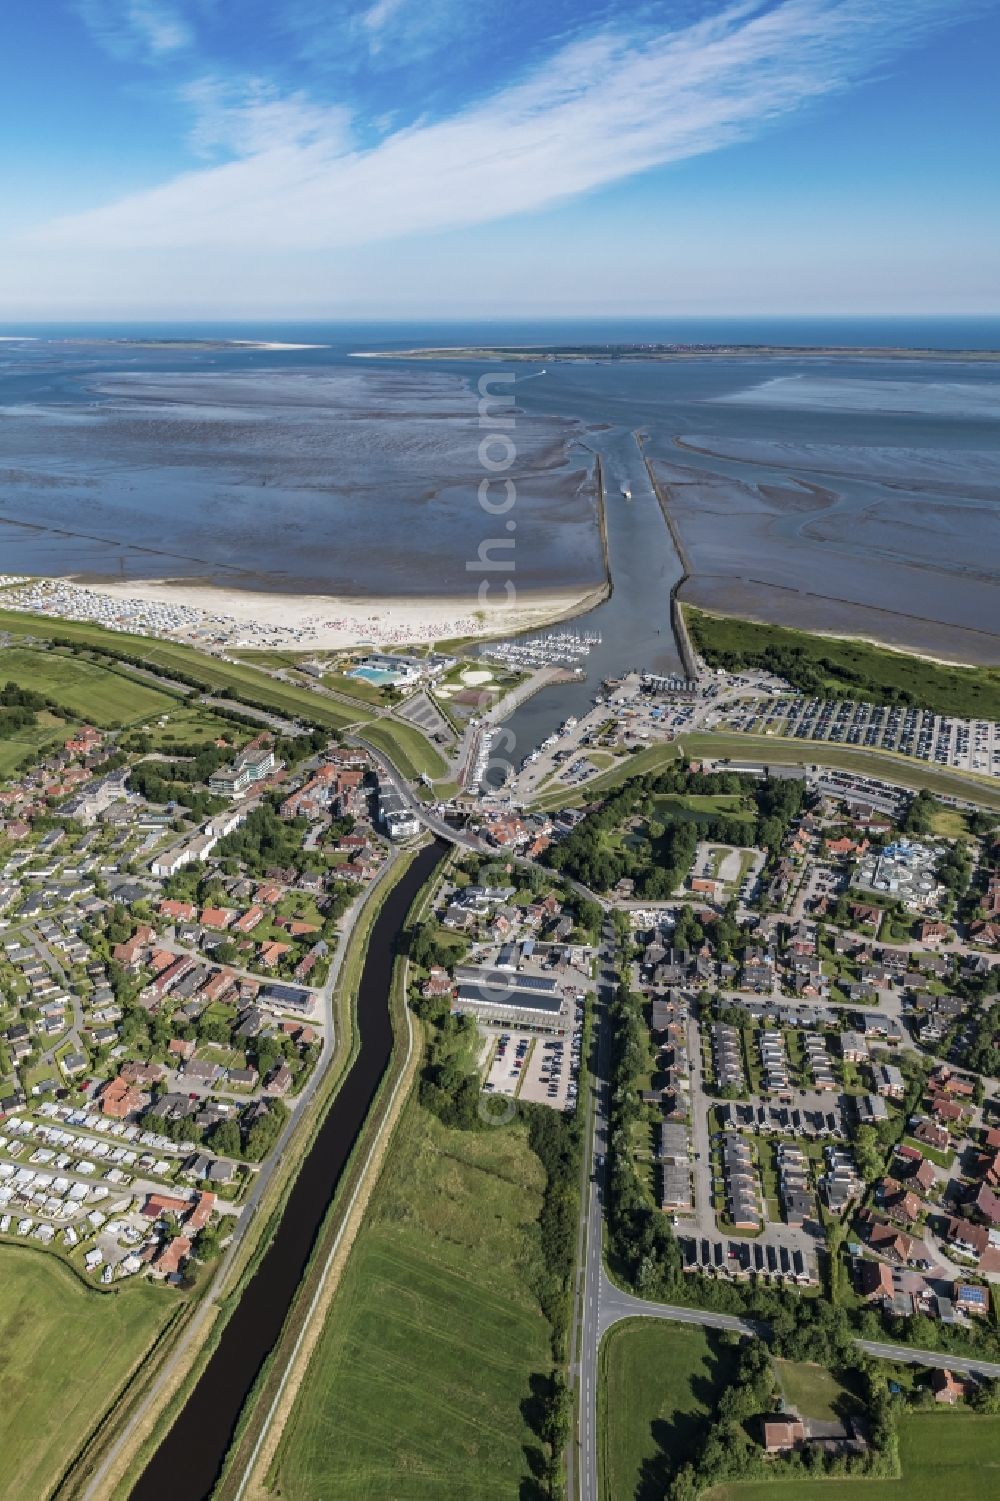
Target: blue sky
[(297, 158)]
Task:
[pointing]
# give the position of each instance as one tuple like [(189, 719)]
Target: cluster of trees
[(919, 815), (265, 840), (431, 947), (809, 669), (982, 1054), (727, 1451), (658, 859), (251, 1136), (557, 1141), (955, 868), (262, 1131), (449, 1084), (18, 707), (177, 782), (641, 1242), (980, 1338)]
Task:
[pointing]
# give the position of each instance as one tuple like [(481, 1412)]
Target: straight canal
[(196, 1445)]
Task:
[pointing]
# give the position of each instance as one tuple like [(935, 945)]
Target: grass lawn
[(657, 1380), (814, 1391), (701, 807), (949, 823), (953, 1454), (407, 748), (941, 1159), (83, 689), (66, 1352), (847, 669), (417, 1387)]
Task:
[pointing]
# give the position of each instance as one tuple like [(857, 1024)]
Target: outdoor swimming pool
[(378, 675)]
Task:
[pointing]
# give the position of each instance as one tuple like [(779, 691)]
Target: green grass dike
[(406, 747), (66, 1351), (834, 667), (421, 1385)]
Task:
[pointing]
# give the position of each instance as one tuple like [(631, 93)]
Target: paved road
[(582, 1470), (616, 1305), (936, 1358)]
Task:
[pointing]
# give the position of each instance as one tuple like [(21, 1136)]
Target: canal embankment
[(209, 1421)]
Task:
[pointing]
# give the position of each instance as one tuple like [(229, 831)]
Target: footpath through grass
[(65, 1352), (942, 1454), (421, 1380), (834, 667), (658, 1385)]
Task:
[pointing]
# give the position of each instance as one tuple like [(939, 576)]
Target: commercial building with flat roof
[(494, 1000)]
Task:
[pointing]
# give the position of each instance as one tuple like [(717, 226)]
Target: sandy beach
[(239, 617)]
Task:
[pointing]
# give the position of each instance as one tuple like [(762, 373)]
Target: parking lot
[(969, 744), (543, 1070)]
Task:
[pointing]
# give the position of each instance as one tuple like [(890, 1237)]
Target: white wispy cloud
[(248, 117), (600, 109), (379, 15), (137, 28)]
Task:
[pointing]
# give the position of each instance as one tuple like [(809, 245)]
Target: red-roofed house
[(783, 1434), (201, 1213), (168, 1262), (119, 1099), (178, 911), (157, 1204), (216, 917)]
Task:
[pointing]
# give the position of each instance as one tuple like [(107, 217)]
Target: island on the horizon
[(661, 351)]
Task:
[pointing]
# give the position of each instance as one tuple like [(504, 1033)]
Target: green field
[(210, 673), (953, 1454), (409, 750), (416, 1388), (83, 689), (657, 1380), (949, 823), (813, 1391), (840, 668), (65, 1352), (186, 726), (702, 807)]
